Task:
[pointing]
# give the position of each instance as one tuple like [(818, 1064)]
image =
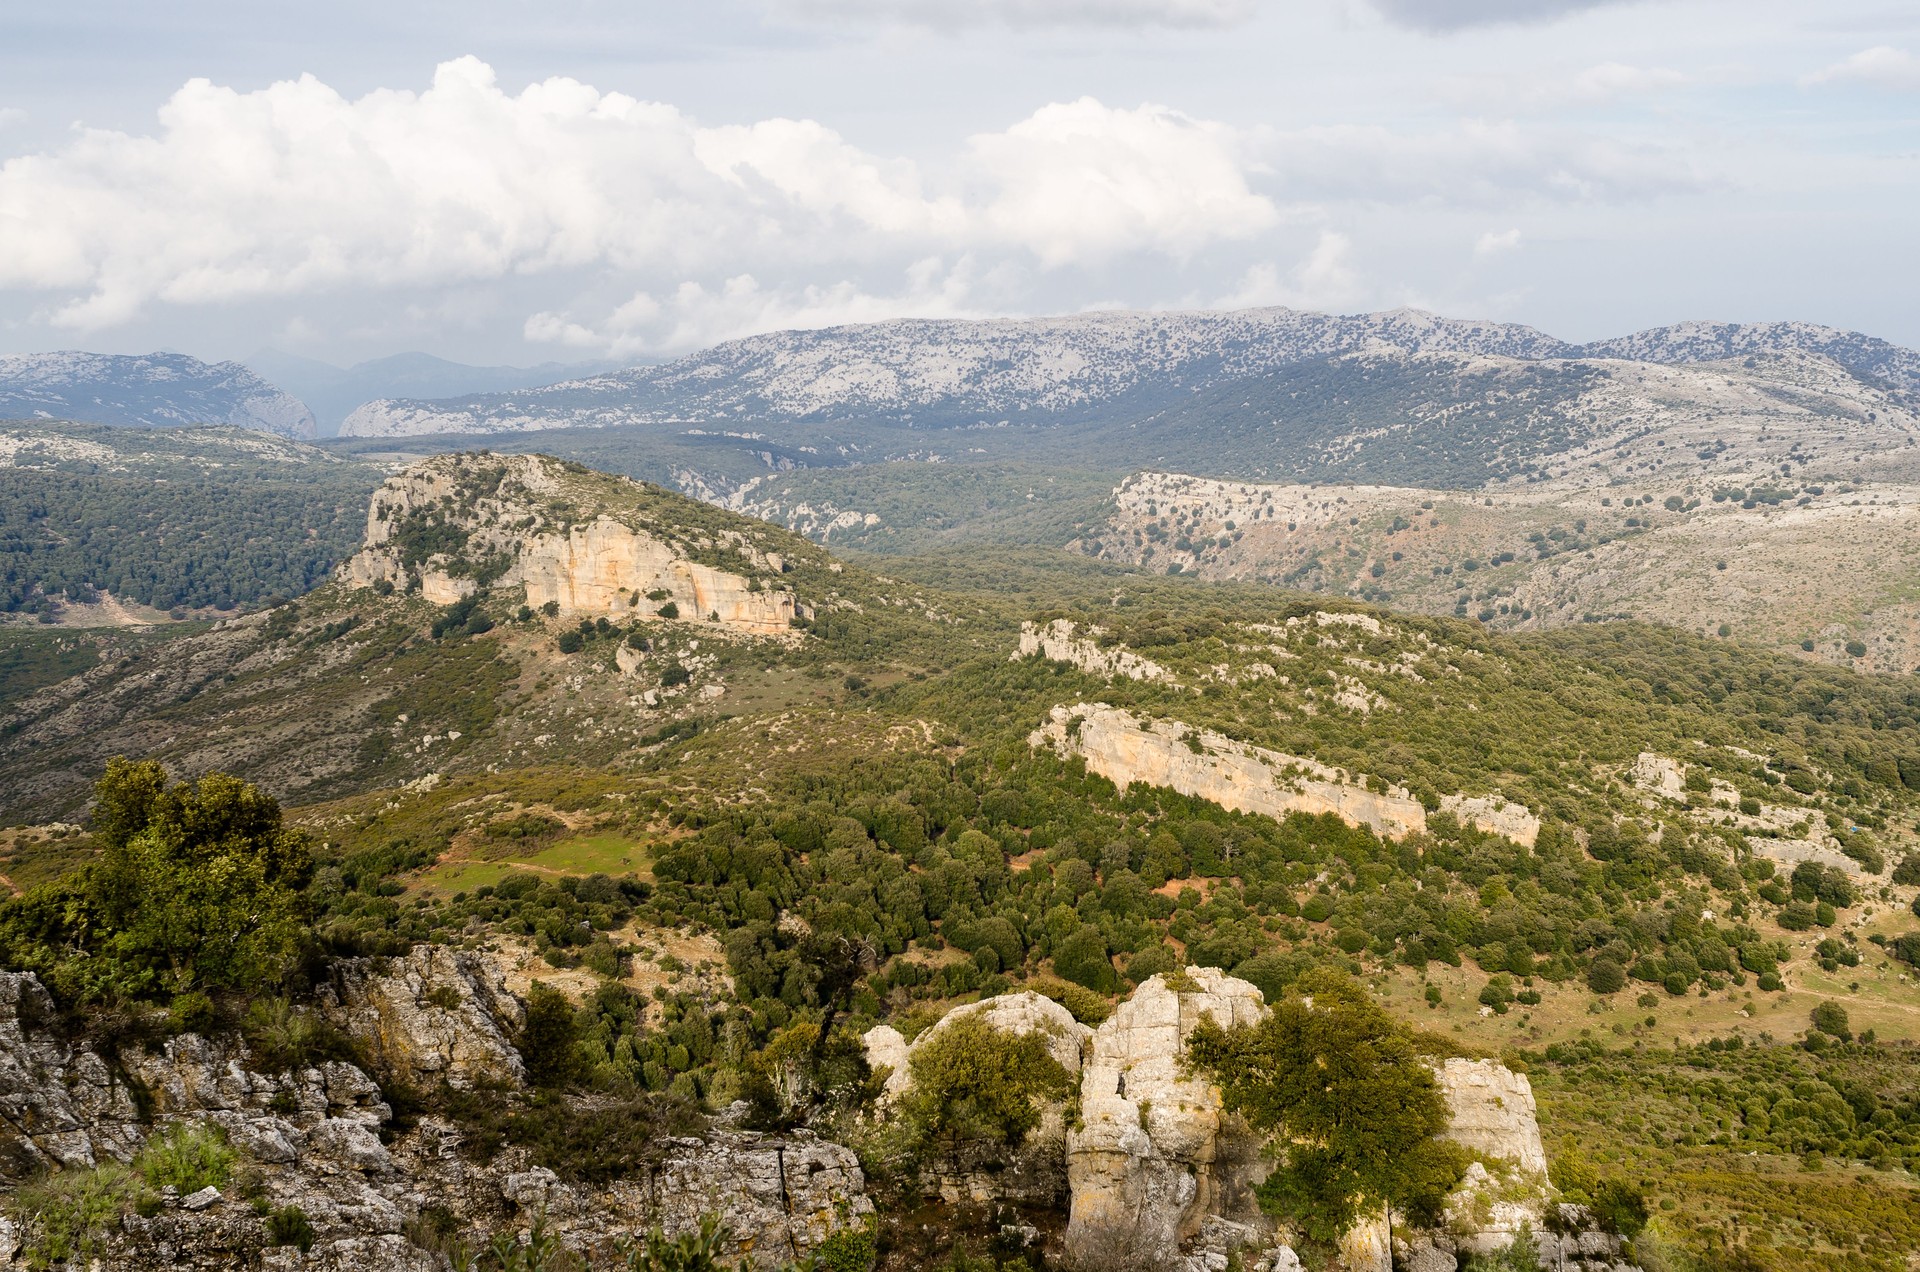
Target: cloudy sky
[(506, 181)]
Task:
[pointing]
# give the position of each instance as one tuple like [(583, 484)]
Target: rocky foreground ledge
[(1149, 1169)]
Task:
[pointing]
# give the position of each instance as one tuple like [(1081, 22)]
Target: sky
[(499, 181)]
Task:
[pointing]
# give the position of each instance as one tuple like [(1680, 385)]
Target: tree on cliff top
[(200, 886), (1351, 1106)]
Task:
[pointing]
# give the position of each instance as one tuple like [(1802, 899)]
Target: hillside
[(156, 390), (105, 526), (1069, 371), (754, 818)]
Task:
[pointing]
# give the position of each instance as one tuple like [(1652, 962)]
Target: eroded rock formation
[(1125, 749), (520, 531), (1059, 641), (435, 1015), (1155, 1153)]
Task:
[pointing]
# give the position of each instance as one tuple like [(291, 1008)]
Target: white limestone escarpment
[(1125, 749), (610, 563)]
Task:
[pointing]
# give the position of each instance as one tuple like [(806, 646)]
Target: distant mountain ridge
[(1099, 366), (333, 392), (155, 390)]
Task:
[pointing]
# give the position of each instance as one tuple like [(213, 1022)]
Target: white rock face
[(1658, 775), (1490, 1110), (1235, 775), (435, 1015), (1057, 641), (1155, 1153), (1124, 749), (1494, 815), (600, 568)]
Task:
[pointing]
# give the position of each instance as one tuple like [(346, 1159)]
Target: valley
[(907, 844)]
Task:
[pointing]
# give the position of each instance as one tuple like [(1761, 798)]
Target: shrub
[(1620, 1207), (972, 1082), (549, 1040), (1082, 958), (675, 674), (188, 1155), (289, 1226), (669, 610), (1907, 873), (1343, 1086), (1606, 977), (67, 1216), (570, 643), (1831, 1019)]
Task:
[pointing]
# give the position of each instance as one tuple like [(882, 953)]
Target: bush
[(199, 886), (972, 1082), (675, 674), (188, 1155), (1082, 958), (1606, 977), (1907, 873), (570, 643), (1344, 1085), (289, 1226), (549, 1040), (1831, 1019), (1620, 1207)]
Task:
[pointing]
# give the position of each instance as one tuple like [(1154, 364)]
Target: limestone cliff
[(1060, 641), (588, 544), (1124, 749), (1156, 1154)]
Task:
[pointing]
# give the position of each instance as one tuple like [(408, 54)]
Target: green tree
[(1352, 1109), (199, 886), (972, 1082)]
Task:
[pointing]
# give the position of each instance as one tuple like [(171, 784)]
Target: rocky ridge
[(1236, 775), (157, 390), (522, 532), (322, 1139)]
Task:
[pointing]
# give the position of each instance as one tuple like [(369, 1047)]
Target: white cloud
[(1494, 243), (1533, 93), (1477, 163), (10, 115), (296, 190), (1439, 16), (1024, 14), (694, 316), (1882, 66), (1081, 182), (1323, 279)]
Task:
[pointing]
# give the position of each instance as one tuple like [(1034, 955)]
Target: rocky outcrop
[(519, 524), (311, 1138), (435, 1015), (1124, 749), (1199, 762), (1490, 1111), (1495, 815), (1155, 1153), (1034, 1172), (1059, 642)]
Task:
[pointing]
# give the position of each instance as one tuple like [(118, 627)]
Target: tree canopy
[(1352, 1108), (199, 887)]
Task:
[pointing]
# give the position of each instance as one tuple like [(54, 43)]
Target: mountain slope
[(946, 373), (333, 392), (157, 390)]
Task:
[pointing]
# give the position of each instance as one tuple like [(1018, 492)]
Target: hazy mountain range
[(155, 390), (1078, 369), (333, 392)]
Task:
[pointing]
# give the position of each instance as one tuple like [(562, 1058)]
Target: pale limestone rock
[(1058, 641), (1658, 775), (434, 1015), (1490, 1110), (1124, 749), (1495, 815), (1155, 1154), (603, 567), (385, 1253), (1367, 1246)]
